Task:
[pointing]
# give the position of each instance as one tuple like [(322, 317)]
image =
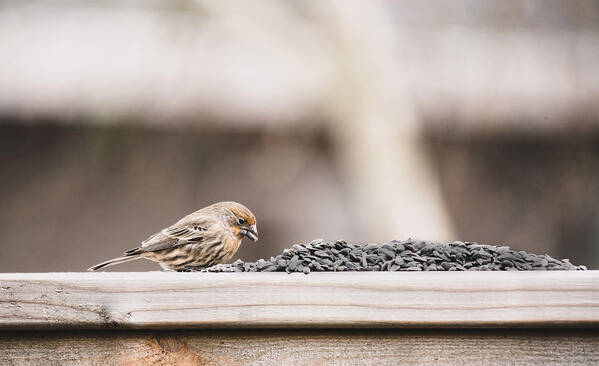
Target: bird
[(199, 240)]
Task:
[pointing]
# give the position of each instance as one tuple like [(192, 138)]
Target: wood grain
[(162, 300), (324, 347)]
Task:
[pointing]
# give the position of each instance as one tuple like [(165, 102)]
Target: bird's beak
[(252, 233)]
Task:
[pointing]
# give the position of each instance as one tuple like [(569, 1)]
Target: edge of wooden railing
[(161, 300)]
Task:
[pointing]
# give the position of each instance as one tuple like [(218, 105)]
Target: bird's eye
[(242, 221)]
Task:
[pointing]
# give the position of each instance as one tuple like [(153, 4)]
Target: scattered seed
[(409, 255)]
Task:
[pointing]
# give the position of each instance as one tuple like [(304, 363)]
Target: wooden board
[(324, 347), (162, 300)]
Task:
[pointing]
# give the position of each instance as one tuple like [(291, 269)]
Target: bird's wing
[(192, 232), (172, 237)]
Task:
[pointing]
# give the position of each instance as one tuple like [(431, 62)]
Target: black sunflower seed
[(409, 255)]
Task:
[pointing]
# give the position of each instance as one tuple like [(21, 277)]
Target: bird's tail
[(114, 261)]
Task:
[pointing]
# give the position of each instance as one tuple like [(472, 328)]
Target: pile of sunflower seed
[(408, 255)]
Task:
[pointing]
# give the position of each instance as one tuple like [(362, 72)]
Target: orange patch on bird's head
[(240, 211), (243, 221)]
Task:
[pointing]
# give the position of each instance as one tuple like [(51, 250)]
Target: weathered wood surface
[(162, 300), (324, 347)]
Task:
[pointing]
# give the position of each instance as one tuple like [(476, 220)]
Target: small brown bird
[(201, 239)]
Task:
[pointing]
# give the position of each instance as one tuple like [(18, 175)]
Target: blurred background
[(365, 121)]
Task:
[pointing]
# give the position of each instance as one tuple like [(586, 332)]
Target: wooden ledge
[(161, 300)]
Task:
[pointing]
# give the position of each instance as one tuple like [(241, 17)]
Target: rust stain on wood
[(163, 350)]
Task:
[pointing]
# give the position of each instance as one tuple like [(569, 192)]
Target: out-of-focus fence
[(372, 77)]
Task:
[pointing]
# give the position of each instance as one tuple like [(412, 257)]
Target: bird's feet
[(191, 269)]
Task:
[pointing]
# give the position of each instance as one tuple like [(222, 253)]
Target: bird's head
[(242, 220)]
